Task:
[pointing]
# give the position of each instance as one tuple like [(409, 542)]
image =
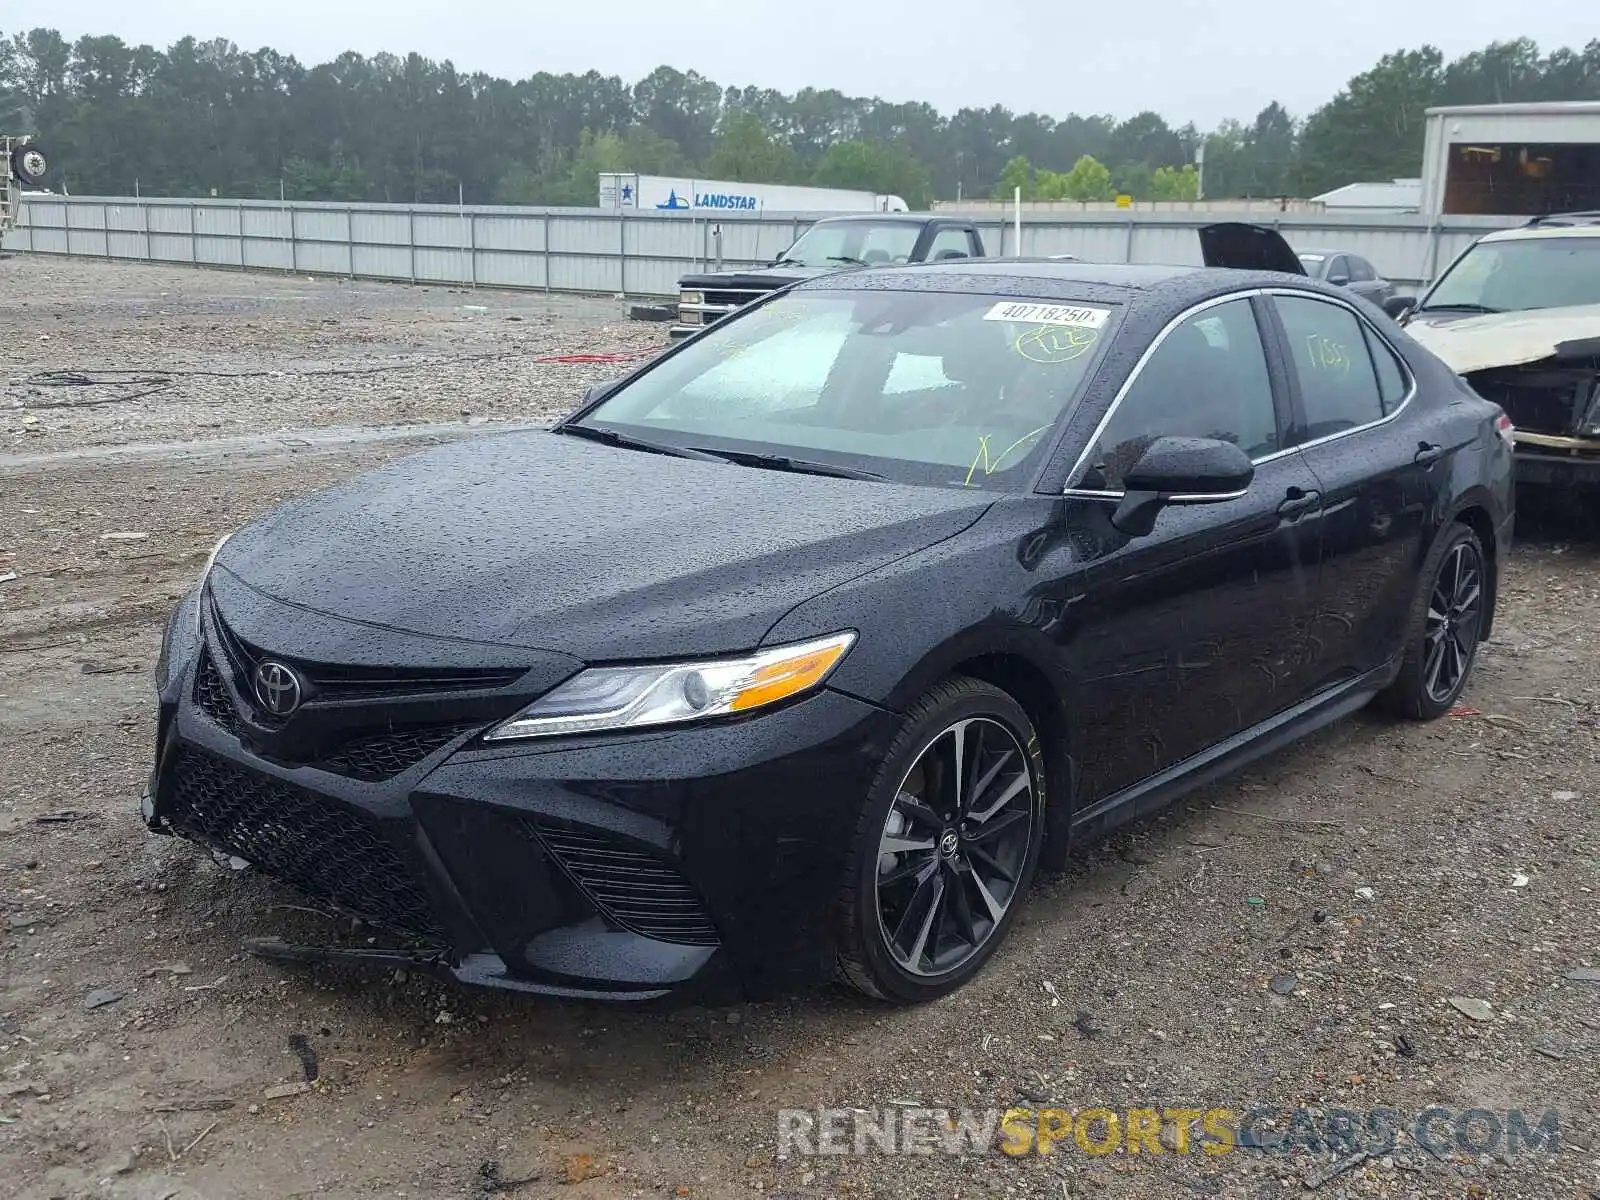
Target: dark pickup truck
[(831, 244)]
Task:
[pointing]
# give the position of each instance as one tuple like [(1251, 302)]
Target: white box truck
[(713, 197)]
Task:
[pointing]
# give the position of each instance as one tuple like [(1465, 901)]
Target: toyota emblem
[(277, 688)]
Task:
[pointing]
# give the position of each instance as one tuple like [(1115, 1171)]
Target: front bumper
[(1556, 460), (693, 864)]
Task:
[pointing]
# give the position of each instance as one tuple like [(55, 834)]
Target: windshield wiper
[(1477, 308), (610, 437), (860, 262), (787, 262), (782, 462)]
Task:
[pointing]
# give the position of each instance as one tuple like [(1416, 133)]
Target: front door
[(1178, 640)]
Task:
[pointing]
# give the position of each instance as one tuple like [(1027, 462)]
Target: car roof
[(1134, 277), (876, 217), (1532, 232)]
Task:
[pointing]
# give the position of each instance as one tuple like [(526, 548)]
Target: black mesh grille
[(385, 755), (212, 695), (636, 890), (326, 849)]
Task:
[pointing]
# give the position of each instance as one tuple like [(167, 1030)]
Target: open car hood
[(1247, 248), (1509, 339)]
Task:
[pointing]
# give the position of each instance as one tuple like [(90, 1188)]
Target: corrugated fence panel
[(322, 258), (217, 222), (122, 244), (266, 223), (441, 229), (169, 218), (171, 247), (585, 235), (510, 269), (381, 228), (268, 254), (588, 251), (442, 266), (508, 233), (382, 262), (322, 225), (588, 273)]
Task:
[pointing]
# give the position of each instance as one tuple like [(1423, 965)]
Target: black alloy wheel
[(1455, 616), (947, 845), (1445, 628)]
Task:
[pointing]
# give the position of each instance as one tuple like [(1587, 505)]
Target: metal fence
[(636, 254)]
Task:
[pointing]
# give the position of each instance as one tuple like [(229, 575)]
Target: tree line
[(204, 116)]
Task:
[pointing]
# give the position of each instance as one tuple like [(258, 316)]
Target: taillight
[(1503, 426)]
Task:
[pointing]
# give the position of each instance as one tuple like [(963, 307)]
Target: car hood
[(1468, 343), (1245, 247), (771, 278), (553, 543)]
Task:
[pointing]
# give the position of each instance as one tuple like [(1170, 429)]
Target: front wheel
[(1446, 624), (946, 846)]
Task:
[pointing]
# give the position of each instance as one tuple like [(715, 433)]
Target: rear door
[(1377, 460), (1182, 638)]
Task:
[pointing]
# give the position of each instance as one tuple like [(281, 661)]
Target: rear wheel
[(1446, 623), (946, 846)]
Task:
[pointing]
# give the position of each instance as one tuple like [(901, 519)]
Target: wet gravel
[(1301, 936), (98, 353)]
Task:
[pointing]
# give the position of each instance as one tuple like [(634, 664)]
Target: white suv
[(1518, 314)]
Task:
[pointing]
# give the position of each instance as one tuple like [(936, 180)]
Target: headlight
[(691, 297), (611, 698)]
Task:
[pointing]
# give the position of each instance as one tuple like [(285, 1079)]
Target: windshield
[(878, 243), (954, 389), (1312, 263), (1547, 272)]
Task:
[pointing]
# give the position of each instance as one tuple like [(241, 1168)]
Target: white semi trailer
[(714, 197)]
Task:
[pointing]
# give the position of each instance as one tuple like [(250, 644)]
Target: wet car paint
[(1137, 658)]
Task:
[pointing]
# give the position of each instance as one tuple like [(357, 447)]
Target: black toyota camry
[(794, 655)]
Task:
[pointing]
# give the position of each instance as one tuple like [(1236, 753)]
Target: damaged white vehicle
[(1518, 315)]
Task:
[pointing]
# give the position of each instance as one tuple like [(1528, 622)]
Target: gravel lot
[(1291, 937), (179, 353)]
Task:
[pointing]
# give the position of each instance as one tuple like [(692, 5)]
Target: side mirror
[(1399, 307), (1339, 280), (1176, 470)]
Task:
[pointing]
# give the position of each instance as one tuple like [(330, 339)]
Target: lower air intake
[(635, 889)]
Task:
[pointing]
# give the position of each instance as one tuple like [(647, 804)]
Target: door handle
[(1298, 501), (1427, 453)]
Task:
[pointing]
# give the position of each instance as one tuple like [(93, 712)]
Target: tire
[(1421, 691), (954, 871), (30, 164)]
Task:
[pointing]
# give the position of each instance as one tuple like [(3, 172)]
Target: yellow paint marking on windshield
[(1056, 343), (991, 465)]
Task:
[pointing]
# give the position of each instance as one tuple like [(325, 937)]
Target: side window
[(1208, 378), (1392, 381), (949, 243), (1361, 270), (1328, 349), (1339, 268)]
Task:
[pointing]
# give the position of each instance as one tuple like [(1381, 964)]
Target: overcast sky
[(1187, 59)]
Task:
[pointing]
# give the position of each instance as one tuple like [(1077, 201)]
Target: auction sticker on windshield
[(1048, 314)]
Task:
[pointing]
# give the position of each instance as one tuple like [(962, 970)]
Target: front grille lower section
[(323, 847), (1541, 398), (635, 889), (381, 756), (211, 694)]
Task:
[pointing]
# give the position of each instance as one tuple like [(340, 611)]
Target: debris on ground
[(1472, 1008), (101, 997)]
